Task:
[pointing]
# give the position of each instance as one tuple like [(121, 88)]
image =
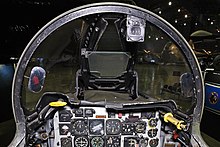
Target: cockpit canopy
[(109, 54)]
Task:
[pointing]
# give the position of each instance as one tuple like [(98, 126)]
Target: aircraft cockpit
[(108, 75)]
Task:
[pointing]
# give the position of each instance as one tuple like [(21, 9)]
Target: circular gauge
[(64, 129), (81, 141), (153, 122), (96, 126), (128, 128), (80, 127), (65, 116), (143, 142), (153, 142), (140, 127), (149, 115), (113, 126), (113, 141), (97, 142), (152, 133), (130, 142), (66, 142)]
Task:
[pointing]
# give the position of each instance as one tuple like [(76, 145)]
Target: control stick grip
[(168, 117)]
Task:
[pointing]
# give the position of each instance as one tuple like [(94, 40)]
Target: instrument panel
[(97, 127)]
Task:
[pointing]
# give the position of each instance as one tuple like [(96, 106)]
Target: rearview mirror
[(36, 79)]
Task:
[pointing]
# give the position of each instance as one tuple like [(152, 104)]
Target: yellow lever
[(58, 104), (168, 117)]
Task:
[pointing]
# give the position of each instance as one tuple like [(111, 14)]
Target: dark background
[(21, 19)]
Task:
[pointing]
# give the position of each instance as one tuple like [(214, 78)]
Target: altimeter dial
[(113, 126), (79, 127)]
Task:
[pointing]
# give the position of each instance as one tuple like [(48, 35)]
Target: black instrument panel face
[(96, 127)]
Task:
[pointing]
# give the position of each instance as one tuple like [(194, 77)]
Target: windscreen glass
[(111, 57)]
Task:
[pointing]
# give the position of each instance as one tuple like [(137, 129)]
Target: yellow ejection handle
[(168, 117), (57, 104)]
